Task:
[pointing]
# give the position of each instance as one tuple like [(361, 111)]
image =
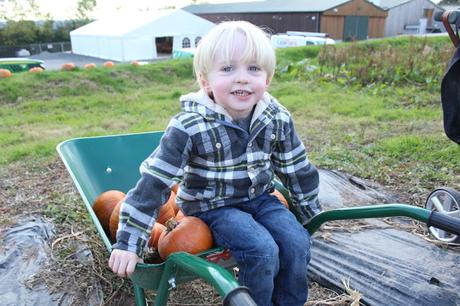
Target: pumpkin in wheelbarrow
[(165, 213), (190, 235), (280, 197), (104, 205), (167, 210)]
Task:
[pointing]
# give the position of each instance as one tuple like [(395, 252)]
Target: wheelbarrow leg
[(139, 295)]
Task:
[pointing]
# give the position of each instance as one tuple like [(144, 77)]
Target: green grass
[(390, 132)]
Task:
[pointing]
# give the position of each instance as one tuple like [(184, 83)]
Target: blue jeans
[(271, 248)]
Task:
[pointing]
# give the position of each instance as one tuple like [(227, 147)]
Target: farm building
[(341, 19), (140, 37), (410, 16)]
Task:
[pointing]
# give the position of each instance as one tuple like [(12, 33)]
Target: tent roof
[(123, 24)]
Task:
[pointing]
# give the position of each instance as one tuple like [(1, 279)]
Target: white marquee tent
[(142, 36)]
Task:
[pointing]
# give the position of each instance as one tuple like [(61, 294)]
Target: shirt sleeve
[(295, 171), (159, 172)]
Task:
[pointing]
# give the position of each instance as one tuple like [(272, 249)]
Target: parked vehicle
[(183, 53), (15, 64), (297, 39)]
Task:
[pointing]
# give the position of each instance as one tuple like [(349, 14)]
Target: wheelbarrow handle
[(238, 297), (452, 16), (448, 18), (444, 222), (430, 218)]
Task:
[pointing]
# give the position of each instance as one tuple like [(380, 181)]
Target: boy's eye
[(254, 68), (227, 68)]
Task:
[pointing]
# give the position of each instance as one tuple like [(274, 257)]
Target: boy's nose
[(242, 78)]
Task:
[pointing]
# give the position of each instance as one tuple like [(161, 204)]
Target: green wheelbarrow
[(98, 164)]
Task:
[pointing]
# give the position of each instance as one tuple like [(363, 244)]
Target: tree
[(19, 32), (84, 8), (46, 31)]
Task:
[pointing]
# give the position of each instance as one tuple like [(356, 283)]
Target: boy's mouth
[(241, 93)]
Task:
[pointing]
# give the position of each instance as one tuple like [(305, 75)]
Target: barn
[(143, 36), (410, 16), (341, 19)]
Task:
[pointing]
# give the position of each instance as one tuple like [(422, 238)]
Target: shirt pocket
[(268, 141), (212, 150)]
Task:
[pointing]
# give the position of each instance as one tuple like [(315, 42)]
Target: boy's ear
[(204, 84), (269, 80)]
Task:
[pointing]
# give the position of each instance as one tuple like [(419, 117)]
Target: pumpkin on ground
[(90, 66), (108, 64), (68, 66), (157, 230), (189, 235), (280, 197), (5, 73), (35, 69), (104, 205)]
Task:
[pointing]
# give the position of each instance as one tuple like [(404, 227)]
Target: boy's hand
[(123, 262)]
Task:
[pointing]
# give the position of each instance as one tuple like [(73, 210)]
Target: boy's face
[(236, 86)]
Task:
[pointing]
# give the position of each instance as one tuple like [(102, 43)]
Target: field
[(368, 109)]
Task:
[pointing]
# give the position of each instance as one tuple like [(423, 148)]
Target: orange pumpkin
[(167, 211), (108, 64), (90, 66), (35, 69), (179, 216), (104, 205), (68, 67), (5, 73), (281, 197), (189, 235), (114, 219), (157, 229)]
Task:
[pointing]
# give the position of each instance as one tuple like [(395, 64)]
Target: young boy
[(225, 147)]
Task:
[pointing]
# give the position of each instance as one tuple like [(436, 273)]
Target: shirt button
[(253, 190), (218, 145), (272, 136)]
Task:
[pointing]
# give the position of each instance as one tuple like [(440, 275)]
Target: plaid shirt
[(218, 163)]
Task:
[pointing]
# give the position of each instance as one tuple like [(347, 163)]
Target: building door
[(164, 45), (355, 28)]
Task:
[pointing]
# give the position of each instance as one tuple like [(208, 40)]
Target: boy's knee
[(299, 246), (265, 249)]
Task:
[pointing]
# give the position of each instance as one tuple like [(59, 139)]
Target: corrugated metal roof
[(266, 6), (388, 4)]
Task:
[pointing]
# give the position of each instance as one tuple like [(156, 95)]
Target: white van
[(286, 40)]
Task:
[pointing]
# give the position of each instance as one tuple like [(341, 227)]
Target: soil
[(44, 188)]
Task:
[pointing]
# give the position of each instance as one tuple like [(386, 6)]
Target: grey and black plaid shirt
[(218, 163)]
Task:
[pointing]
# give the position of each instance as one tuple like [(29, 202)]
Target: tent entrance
[(164, 45)]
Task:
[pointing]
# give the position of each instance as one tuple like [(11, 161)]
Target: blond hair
[(222, 39)]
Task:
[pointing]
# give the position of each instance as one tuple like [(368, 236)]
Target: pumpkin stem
[(171, 224)]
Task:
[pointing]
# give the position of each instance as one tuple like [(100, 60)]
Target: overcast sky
[(66, 9)]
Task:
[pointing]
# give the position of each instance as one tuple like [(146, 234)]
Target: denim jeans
[(271, 248)]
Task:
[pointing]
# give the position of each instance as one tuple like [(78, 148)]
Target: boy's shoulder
[(281, 111)]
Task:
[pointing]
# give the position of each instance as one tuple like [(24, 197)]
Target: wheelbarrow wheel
[(445, 201)]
